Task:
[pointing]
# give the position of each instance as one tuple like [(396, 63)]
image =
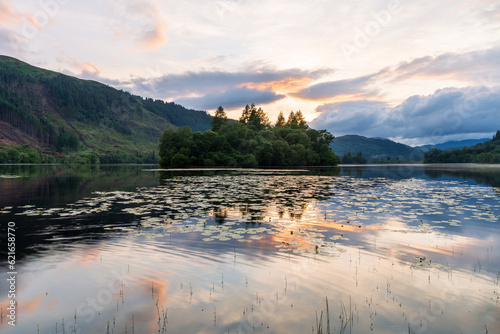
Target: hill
[(53, 112), (487, 152), (375, 148), (452, 145)]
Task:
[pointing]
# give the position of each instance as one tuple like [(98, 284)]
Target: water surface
[(389, 249)]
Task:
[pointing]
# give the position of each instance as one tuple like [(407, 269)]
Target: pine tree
[(245, 115), (219, 119), (300, 120), (281, 119), (291, 118)]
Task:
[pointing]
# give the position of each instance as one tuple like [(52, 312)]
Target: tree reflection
[(486, 176)]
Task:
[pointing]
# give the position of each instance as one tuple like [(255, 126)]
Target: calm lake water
[(371, 249)]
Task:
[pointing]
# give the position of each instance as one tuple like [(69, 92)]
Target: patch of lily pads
[(299, 213)]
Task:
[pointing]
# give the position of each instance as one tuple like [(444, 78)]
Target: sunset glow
[(340, 63)]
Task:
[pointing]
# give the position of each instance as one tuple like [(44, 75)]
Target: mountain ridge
[(375, 148), (487, 152), (51, 111), (453, 144)]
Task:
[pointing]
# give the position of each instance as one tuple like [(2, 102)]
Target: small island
[(250, 142)]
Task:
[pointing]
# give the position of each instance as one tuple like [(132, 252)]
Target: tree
[(249, 143), (297, 120), (291, 118), (245, 115), (180, 160), (496, 136), (360, 159), (258, 118), (281, 120), (300, 120), (66, 140), (219, 119), (433, 156), (348, 158)]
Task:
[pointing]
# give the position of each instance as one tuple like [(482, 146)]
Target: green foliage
[(177, 114), (26, 154), (487, 152), (219, 119), (251, 142), (255, 118), (66, 141), (376, 150), (280, 121), (296, 120), (348, 158), (39, 103)]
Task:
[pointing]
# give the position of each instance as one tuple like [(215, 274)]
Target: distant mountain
[(51, 111), (487, 152), (375, 148), (454, 144)]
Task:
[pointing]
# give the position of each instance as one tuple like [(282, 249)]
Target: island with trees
[(250, 142)]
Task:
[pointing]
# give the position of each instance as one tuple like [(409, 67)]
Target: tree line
[(26, 154), (250, 142), (348, 158), (488, 152)]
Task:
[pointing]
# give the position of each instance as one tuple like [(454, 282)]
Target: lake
[(353, 249)]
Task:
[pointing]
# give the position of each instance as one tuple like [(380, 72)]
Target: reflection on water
[(393, 249)]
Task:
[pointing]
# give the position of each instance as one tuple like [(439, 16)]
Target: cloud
[(471, 67), (209, 89), (11, 44), (174, 86), (475, 67), (141, 21), (358, 86), (488, 10), (8, 14), (87, 69), (447, 112), (154, 36), (363, 117), (230, 99)]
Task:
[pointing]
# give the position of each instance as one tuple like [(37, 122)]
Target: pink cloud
[(156, 36), (87, 68), (8, 14), (154, 39)]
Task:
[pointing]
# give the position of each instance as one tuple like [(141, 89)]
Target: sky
[(417, 72)]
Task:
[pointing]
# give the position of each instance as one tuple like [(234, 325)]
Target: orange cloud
[(156, 37), (87, 68), (341, 98), (287, 85), (8, 13)]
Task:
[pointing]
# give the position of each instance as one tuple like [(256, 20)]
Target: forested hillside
[(488, 152), (453, 144), (375, 149), (62, 115)]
